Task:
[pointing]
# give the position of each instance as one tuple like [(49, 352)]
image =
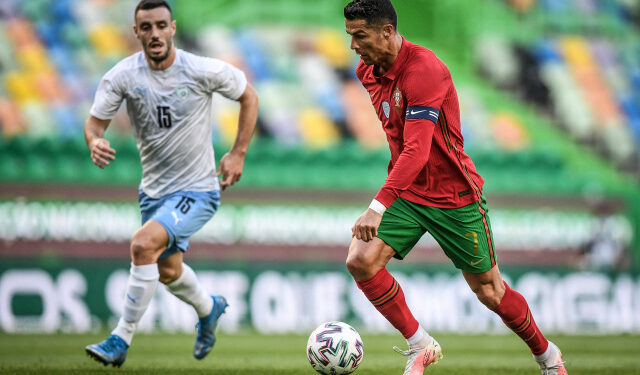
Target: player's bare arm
[(101, 151), (232, 163)]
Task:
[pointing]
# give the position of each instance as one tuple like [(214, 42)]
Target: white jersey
[(170, 112)]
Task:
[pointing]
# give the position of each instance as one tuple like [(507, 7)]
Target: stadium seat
[(11, 167)]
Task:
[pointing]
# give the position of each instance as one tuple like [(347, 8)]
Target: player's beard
[(161, 58)]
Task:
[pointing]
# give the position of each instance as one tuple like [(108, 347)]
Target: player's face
[(155, 30), (367, 41)]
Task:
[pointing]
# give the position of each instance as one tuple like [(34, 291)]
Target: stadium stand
[(579, 63)]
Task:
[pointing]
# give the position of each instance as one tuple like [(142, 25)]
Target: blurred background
[(550, 100)]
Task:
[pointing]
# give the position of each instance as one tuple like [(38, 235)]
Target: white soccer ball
[(335, 348)]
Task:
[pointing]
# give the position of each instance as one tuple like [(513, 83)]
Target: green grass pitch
[(254, 354)]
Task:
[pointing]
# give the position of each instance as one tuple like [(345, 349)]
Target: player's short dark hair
[(375, 12), (151, 4)]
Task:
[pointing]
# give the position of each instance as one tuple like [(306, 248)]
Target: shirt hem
[(426, 201)]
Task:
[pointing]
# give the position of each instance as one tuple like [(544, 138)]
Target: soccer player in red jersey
[(432, 186)]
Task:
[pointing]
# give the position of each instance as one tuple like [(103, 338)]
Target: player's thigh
[(148, 206), (184, 213), (464, 234), (401, 227), (151, 236)]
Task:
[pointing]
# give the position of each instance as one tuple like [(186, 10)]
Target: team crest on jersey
[(182, 92), (386, 108), (397, 96)]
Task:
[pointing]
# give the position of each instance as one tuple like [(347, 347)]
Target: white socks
[(140, 288), (544, 357), (420, 339), (188, 289)]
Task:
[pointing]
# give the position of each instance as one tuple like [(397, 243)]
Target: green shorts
[(463, 233)]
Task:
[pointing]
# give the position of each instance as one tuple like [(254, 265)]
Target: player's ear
[(387, 30), (135, 31), (173, 27)]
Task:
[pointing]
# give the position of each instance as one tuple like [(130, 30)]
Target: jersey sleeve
[(225, 79), (109, 97), (425, 88)]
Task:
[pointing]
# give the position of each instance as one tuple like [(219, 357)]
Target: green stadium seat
[(124, 171), (18, 146), (77, 146), (38, 168), (11, 167), (47, 146), (35, 9), (125, 147), (264, 176), (92, 174), (67, 169)]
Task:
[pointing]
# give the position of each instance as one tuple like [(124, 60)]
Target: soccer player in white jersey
[(168, 93)]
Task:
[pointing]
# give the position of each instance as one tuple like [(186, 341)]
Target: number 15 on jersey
[(164, 116)]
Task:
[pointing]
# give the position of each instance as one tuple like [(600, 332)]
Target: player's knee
[(142, 247), (359, 265), (353, 263), (488, 295)]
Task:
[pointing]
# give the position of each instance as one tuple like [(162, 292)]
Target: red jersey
[(418, 106)]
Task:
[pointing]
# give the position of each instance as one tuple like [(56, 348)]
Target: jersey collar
[(170, 68)]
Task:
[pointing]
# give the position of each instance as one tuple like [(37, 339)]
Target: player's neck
[(395, 45), (164, 64)]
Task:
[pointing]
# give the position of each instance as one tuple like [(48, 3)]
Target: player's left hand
[(366, 226), (230, 168)]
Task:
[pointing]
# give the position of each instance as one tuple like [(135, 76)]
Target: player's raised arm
[(101, 151), (232, 162)]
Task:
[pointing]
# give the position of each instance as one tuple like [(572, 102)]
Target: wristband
[(377, 207)]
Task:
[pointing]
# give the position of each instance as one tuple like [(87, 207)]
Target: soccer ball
[(335, 348)]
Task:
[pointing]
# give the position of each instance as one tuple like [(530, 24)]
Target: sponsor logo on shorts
[(476, 262), (175, 217)]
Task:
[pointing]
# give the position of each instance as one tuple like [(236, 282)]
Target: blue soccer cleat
[(112, 351), (206, 337)]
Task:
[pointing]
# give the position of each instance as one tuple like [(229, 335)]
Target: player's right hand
[(366, 226), (101, 152)]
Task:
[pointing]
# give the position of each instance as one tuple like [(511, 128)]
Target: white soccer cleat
[(554, 365), (419, 359)]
